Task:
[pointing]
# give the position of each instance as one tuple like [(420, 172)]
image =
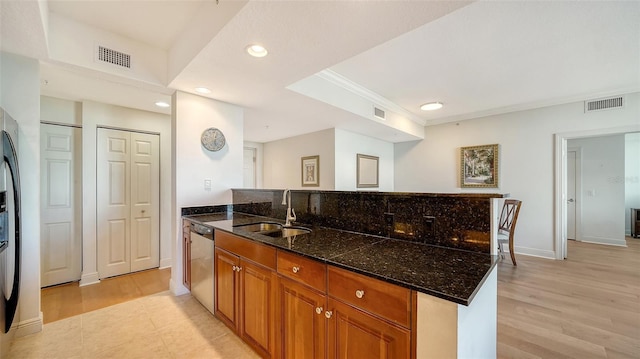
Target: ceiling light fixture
[(162, 104), (257, 51), (202, 90), (431, 106)]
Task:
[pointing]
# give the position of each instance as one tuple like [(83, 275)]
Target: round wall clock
[(212, 139)]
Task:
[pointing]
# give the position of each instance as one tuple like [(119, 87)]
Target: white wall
[(193, 164), (283, 160), (526, 158), (632, 177), (20, 97), (348, 145), (601, 201)]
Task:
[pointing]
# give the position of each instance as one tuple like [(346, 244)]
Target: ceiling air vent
[(114, 57), (604, 104), (379, 113)]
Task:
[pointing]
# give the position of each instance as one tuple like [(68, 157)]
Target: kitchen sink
[(273, 229), (260, 227), (288, 232)]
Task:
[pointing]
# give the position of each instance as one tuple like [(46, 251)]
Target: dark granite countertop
[(446, 273)]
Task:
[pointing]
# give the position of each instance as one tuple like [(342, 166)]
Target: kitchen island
[(453, 300)]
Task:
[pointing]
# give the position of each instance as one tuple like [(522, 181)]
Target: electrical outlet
[(207, 185), (429, 225), (388, 218)]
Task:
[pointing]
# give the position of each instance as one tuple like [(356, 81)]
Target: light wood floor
[(587, 306), (67, 300)]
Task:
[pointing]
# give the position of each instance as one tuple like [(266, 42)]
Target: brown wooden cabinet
[(319, 311), (245, 290), (186, 253), (302, 320), (327, 312), (357, 334), (302, 302), (368, 318)]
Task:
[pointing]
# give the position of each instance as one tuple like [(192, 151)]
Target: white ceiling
[(478, 59)]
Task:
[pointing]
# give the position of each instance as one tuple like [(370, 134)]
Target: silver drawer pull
[(328, 314), (295, 269), (319, 310), (359, 294)]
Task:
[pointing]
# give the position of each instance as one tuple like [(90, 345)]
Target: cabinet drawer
[(256, 252), (372, 295), (301, 269)]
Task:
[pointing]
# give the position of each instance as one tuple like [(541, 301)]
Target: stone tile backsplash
[(450, 220)]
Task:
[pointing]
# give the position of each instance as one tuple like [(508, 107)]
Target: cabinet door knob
[(238, 269), (234, 268), (328, 314), (360, 293), (295, 269), (319, 310)]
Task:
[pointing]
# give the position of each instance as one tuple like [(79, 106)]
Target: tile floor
[(157, 326)]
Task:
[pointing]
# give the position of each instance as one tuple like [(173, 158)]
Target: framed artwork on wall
[(367, 171), (311, 171), (479, 166)]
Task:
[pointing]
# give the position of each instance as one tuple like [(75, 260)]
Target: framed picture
[(311, 171), (367, 169), (479, 166)]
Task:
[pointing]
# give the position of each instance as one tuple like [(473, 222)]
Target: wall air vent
[(379, 113), (114, 57), (604, 104)]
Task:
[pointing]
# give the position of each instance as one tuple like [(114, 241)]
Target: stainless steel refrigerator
[(10, 240)]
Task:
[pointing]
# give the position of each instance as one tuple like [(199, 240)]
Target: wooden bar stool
[(507, 226)]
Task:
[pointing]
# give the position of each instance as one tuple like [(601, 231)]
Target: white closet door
[(61, 204), (145, 198), (113, 202)]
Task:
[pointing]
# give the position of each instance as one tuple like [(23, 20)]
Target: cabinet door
[(257, 293), (226, 289), (356, 334), (302, 321)]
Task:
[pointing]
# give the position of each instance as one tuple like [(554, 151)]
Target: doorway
[(249, 168), (561, 179), (60, 204), (128, 196)]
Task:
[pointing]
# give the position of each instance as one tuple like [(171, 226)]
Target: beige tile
[(138, 347), (61, 339), (196, 332), (117, 328)]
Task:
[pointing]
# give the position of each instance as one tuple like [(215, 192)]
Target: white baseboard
[(534, 252), (165, 263), (606, 241), (177, 288), (29, 326), (89, 278)]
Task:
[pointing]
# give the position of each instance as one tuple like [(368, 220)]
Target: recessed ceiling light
[(257, 51), (202, 90), (431, 106), (162, 104)]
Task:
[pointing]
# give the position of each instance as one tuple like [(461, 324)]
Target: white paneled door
[(61, 204), (571, 195), (127, 202), (249, 168)]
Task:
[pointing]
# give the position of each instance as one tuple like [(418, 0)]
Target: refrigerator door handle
[(11, 159)]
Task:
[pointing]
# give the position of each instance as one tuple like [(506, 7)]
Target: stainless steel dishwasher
[(202, 265)]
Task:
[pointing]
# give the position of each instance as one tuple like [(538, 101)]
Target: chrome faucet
[(291, 213)]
